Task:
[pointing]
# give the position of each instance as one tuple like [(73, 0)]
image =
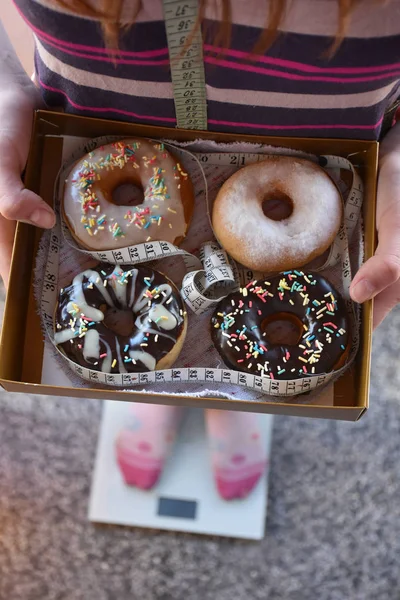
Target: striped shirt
[(292, 89)]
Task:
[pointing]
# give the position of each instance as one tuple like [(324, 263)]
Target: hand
[(379, 277), (16, 202)]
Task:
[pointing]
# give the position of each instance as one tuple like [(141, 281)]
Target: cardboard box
[(21, 348)]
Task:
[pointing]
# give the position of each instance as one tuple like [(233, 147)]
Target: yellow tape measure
[(186, 59)]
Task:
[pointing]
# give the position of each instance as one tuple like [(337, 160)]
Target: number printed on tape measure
[(185, 46)]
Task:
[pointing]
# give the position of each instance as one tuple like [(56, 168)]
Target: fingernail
[(42, 218), (362, 291)]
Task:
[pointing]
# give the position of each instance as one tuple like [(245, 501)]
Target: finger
[(19, 204), (379, 272), (383, 269), (7, 230), (385, 302)]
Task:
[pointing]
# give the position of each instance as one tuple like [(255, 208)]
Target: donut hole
[(128, 193), (277, 206), (282, 329), (120, 322)]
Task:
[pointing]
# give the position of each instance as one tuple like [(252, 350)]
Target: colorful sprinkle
[(292, 289)]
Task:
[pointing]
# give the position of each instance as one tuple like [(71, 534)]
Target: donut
[(120, 319), (277, 214), (307, 302), (157, 195)]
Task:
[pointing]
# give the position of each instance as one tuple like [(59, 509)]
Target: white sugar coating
[(259, 242)]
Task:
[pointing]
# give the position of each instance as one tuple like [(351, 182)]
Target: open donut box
[(22, 347)]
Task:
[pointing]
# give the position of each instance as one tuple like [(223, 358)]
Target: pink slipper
[(233, 483), (137, 467), (144, 444)]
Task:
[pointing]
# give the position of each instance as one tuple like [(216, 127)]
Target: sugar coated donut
[(120, 319), (308, 302), (253, 232), (161, 208)]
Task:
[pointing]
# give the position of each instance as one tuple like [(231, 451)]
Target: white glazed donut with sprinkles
[(308, 301), (162, 209)]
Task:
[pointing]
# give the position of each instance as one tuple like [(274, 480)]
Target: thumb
[(384, 303), (378, 273), (383, 269), (20, 204)]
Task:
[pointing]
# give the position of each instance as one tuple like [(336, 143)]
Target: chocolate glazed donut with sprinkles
[(120, 319), (242, 327), (127, 193)]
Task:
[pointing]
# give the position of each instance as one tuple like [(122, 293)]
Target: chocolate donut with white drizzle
[(120, 319)]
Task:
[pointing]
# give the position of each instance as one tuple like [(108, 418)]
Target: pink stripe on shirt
[(109, 59), (294, 127), (58, 43), (227, 64), (290, 64), (106, 109), (211, 121), (293, 76)]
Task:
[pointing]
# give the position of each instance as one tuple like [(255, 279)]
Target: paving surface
[(333, 527)]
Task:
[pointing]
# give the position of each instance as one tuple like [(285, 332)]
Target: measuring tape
[(209, 278), (185, 46)]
